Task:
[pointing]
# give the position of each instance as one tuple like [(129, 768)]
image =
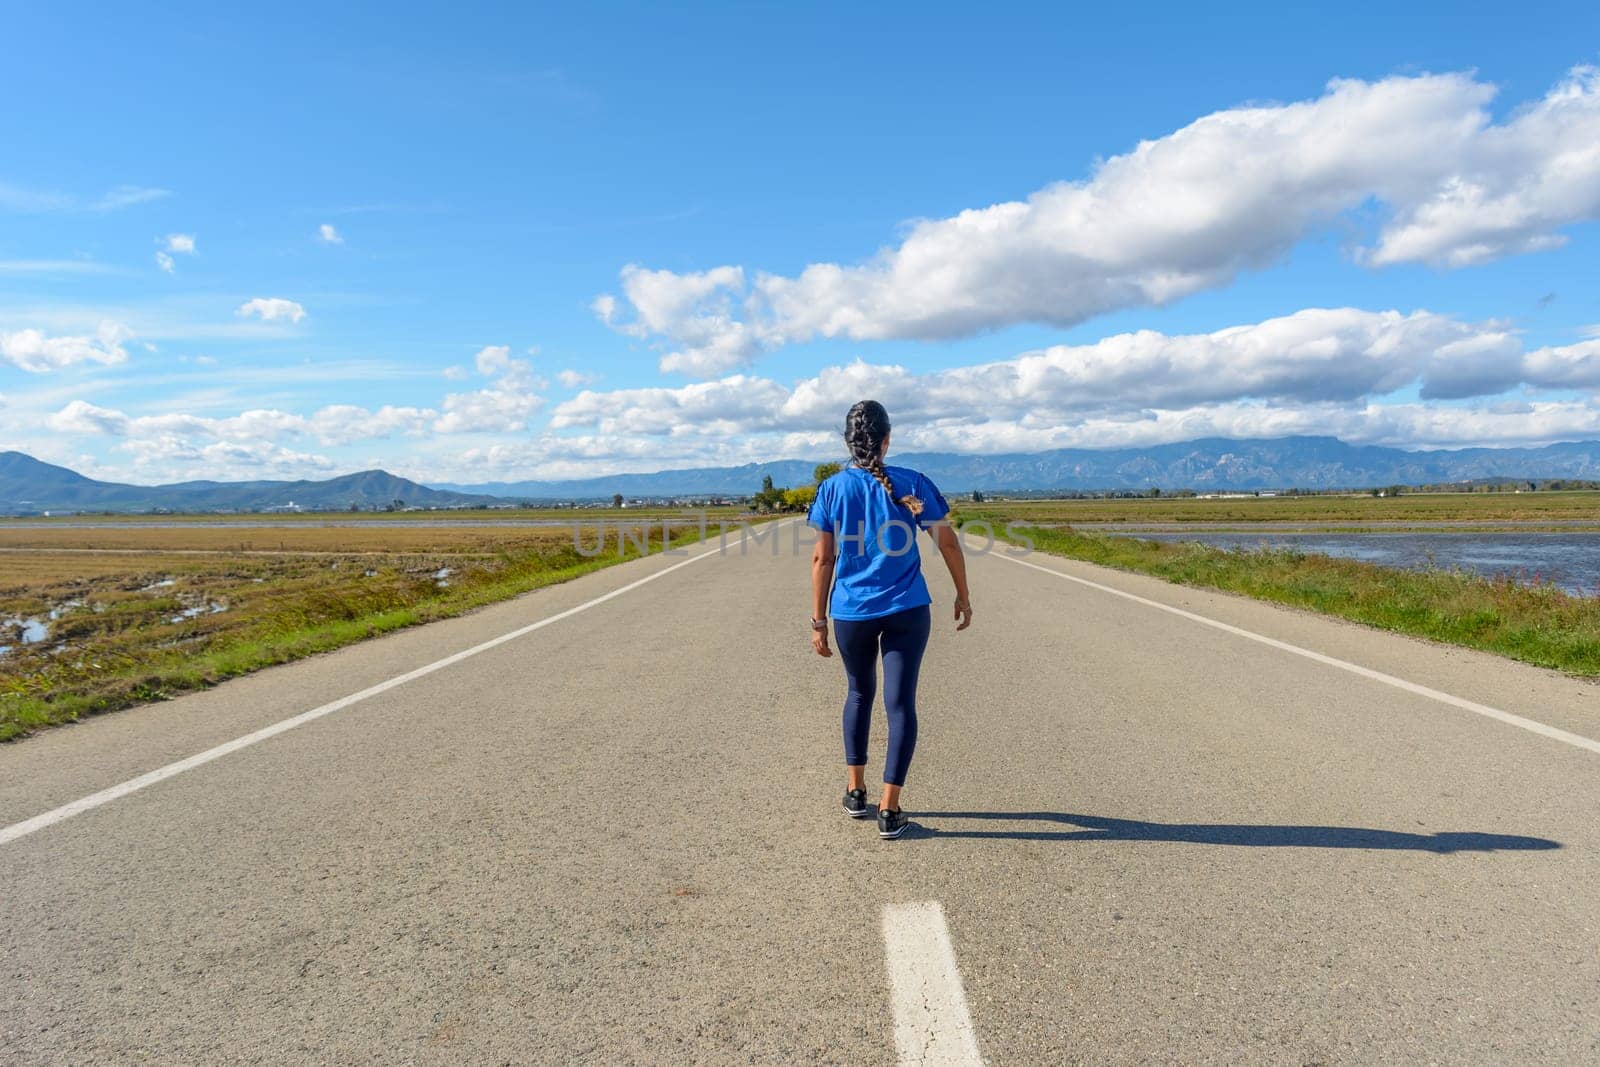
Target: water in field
[(1570, 560), (23, 631), (210, 607)]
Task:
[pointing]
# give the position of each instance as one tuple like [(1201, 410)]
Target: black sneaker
[(891, 824), (855, 804)]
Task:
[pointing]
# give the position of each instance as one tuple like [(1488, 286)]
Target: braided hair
[(865, 428)]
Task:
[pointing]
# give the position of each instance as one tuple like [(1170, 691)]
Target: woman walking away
[(867, 573)]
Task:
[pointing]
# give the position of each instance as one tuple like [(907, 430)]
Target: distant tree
[(398, 505), (977, 496), (616, 500), (1394, 490), (1153, 492), (770, 498), (799, 499), (824, 471)]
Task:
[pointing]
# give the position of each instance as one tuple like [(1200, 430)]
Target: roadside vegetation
[(101, 619), (395, 516), (1535, 622), (771, 499), (1387, 511)]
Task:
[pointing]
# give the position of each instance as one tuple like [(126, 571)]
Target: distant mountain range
[(691, 481), (30, 485), (1210, 463)]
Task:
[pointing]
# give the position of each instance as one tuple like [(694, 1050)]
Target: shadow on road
[(1099, 828)]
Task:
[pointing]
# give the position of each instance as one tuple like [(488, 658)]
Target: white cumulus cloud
[(35, 351), (174, 244), (80, 416), (493, 359), (734, 404), (1347, 372), (1182, 213), (1317, 355), (1321, 370), (334, 424), (328, 235), (225, 460), (269, 309), (504, 406), (1511, 188), (1565, 367), (576, 379)]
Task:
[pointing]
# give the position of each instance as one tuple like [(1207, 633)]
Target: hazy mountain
[(1212, 463), (1221, 463), (28, 484), (693, 481)]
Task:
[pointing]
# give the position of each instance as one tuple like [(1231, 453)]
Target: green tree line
[(773, 498)]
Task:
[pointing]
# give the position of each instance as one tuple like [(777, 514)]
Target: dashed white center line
[(932, 1027)]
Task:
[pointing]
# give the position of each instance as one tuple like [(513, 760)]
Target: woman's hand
[(819, 642), (950, 549)]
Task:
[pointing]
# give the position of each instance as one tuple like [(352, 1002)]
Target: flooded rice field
[(1570, 560)]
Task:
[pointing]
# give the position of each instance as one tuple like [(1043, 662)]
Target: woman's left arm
[(949, 543)]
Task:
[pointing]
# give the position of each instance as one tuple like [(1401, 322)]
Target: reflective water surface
[(1570, 560)]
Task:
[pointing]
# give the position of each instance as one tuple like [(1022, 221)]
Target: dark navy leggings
[(902, 637)]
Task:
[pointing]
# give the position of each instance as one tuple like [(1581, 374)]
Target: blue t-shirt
[(879, 569)]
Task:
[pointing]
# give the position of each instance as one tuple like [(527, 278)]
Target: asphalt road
[(616, 839)]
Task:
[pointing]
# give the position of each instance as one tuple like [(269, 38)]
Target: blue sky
[(314, 239)]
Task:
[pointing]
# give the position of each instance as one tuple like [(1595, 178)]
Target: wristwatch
[(819, 624)]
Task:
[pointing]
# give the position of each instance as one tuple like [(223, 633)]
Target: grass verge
[(1556, 508), (1535, 623), (154, 626)]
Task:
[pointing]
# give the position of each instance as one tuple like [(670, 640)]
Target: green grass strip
[(1535, 623)]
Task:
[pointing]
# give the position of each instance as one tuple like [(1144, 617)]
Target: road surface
[(615, 838)]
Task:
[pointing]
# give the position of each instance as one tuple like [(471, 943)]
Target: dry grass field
[(355, 538), (97, 619)]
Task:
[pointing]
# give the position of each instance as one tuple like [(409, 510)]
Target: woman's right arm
[(822, 562), (950, 548)]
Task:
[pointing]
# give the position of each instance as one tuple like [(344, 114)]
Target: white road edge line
[(932, 1027), (160, 774), (1576, 740)]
